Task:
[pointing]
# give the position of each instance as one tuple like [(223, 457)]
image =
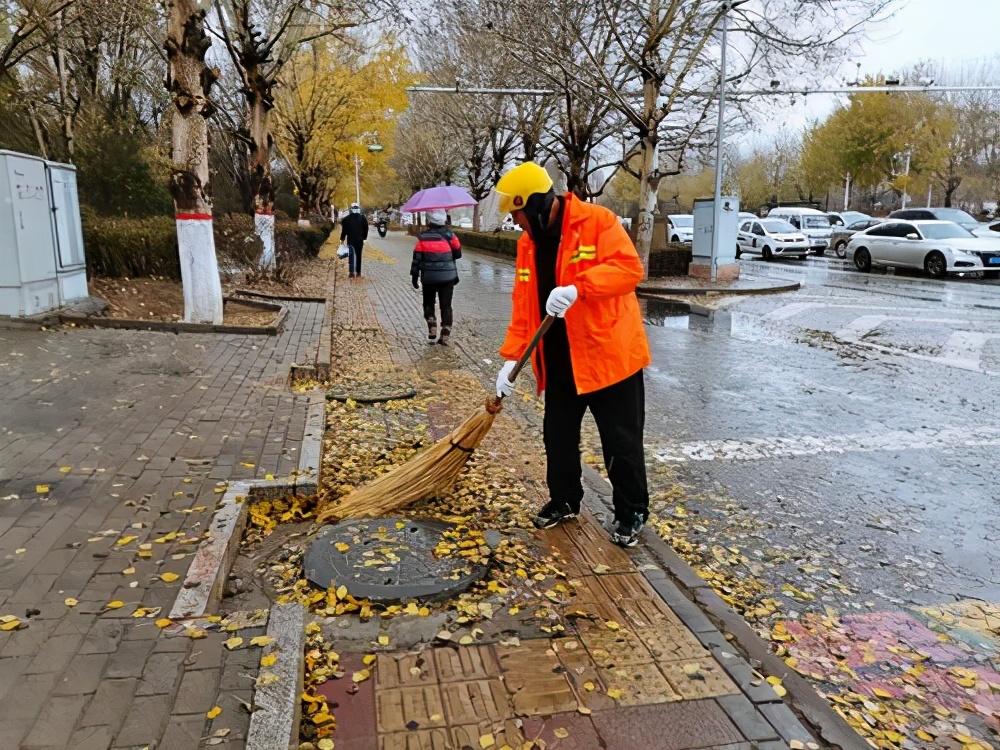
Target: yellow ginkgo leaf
[(195, 633), (168, 577), (65, 469), (128, 571), (361, 675), (163, 622), (116, 604), (561, 732), (213, 712), (234, 642), (9, 622), (342, 592), (262, 640), (325, 744), (612, 625), (486, 741), (70, 601), (383, 640), (268, 660), (368, 659), (342, 546), (614, 693), (42, 489)]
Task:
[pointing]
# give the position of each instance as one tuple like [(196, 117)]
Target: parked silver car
[(842, 235), (938, 247), (771, 238)]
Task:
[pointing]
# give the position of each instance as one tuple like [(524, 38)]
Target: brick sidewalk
[(131, 433), (637, 666)]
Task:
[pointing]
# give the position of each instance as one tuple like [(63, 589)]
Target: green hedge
[(148, 246), (504, 243)]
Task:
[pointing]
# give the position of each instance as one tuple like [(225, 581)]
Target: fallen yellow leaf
[(42, 489), (612, 625), (70, 601), (368, 659), (262, 640), (163, 622), (213, 712), (168, 577), (486, 741), (342, 546), (126, 540), (128, 571), (561, 732), (361, 675), (589, 687), (269, 660), (383, 640), (65, 469), (116, 604), (325, 744), (9, 622), (195, 633), (234, 642), (614, 693)]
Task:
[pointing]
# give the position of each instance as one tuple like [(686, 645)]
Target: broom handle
[(542, 329)]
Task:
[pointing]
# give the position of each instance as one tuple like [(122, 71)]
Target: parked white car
[(990, 231), (937, 247), (812, 223), (681, 227), (465, 223), (771, 238)]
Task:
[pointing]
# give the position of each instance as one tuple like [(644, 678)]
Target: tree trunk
[(189, 81), (649, 184), (261, 103)]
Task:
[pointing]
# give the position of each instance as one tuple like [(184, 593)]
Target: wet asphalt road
[(845, 437)]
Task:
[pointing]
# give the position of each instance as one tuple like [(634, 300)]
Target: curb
[(711, 620), (180, 327), (203, 586), (654, 291), (275, 719)]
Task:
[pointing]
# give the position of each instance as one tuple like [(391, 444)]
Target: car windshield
[(853, 217), (682, 221), (954, 214), (835, 221), (816, 222), (944, 231), (778, 226)]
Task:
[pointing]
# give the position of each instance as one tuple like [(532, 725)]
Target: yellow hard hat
[(519, 183)]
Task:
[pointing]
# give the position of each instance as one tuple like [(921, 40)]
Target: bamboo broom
[(432, 472)]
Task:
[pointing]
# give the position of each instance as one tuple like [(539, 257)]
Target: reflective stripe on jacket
[(434, 257), (607, 341)]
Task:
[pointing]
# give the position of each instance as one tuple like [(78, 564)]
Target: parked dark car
[(956, 215), (842, 235)]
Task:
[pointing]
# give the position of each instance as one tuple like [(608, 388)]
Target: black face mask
[(537, 209)]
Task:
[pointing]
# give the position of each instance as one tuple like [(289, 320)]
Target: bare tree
[(189, 81)]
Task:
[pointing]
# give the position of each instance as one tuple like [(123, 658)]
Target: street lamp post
[(727, 6)]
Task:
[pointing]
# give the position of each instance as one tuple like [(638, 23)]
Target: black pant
[(354, 258), (620, 413), (444, 292)]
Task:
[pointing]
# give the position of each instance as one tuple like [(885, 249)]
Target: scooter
[(383, 227)]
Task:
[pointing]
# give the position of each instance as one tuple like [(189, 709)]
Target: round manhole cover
[(390, 560), (371, 392)]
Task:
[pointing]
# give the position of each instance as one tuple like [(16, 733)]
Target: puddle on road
[(666, 313)]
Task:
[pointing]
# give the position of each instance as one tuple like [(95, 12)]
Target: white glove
[(505, 386), (560, 300)]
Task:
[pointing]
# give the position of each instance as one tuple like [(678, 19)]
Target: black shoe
[(445, 335), (626, 533), (553, 513), (432, 331)]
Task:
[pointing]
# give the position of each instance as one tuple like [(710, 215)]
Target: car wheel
[(821, 251), (935, 264), (863, 260), (675, 239), (841, 249), (738, 251), (766, 253)]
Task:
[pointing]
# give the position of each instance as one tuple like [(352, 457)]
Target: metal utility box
[(42, 263), (725, 267), (704, 221)]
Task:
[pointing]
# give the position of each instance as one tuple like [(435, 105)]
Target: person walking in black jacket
[(354, 229), (433, 264)]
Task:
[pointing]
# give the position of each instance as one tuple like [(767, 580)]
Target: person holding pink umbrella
[(434, 266)]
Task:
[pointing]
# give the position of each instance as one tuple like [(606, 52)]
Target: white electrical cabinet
[(42, 263)]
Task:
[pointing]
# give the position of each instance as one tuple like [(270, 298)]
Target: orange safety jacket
[(607, 341)]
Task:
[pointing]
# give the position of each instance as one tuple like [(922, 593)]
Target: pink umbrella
[(444, 196)]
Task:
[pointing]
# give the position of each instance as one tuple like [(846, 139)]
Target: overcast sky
[(951, 33)]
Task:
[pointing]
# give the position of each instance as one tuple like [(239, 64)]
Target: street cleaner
[(576, 262)]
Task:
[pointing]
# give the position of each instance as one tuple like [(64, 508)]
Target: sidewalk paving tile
[(399, 709), (469, 702), (465, 663), (682, 725), (709, 681), (405, 670), (353, 706), (638, 685), (568, 731), (503, 733)]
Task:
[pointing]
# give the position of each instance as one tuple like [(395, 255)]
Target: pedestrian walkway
[(114, 448), (612, 656)]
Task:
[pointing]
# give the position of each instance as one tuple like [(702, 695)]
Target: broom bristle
[(428, 474)]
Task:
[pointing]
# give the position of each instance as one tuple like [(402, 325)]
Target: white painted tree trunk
[(264, 226), (199, 269), (189, 81), (648, 186)]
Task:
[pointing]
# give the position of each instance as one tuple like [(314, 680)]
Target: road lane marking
[(757, 449)]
